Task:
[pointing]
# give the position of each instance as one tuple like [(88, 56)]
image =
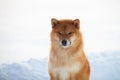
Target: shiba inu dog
[(67, 60)]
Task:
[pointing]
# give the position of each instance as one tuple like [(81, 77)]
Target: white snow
[(104, 66)]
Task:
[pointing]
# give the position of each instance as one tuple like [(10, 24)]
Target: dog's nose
[(64, 42)]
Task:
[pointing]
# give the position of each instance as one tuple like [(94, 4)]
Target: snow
[(104, 66)]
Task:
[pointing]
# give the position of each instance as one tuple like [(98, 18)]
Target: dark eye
[(60, 33), (70, 33)]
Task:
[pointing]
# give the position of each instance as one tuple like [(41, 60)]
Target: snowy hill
[(31, 70), (104, 66)]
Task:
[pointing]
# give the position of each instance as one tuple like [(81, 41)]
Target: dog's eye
[(60, 33), (70, 33)]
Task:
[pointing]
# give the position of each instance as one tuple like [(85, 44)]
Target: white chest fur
[(65, 71)]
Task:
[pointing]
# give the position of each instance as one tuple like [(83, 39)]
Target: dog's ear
[(76, 23), (54, 22)]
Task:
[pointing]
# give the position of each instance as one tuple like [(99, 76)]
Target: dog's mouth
[(65, 43)]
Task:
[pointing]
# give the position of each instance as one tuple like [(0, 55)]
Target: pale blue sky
[(25, 26)]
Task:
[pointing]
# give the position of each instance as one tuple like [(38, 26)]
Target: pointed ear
[(76, 23), (54, 22)]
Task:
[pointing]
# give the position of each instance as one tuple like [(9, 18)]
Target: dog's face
[(64, 32)]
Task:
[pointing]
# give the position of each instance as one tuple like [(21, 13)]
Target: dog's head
[(65, 33)]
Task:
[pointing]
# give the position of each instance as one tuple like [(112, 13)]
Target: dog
[(67, 60)]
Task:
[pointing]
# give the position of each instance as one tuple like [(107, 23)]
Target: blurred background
[(25, 27)]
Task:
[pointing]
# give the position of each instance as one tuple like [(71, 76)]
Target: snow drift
[(104, 66)]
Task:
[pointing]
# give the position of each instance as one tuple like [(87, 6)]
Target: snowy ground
[(104, 66)]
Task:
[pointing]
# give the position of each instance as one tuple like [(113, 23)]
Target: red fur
[(67, 63)]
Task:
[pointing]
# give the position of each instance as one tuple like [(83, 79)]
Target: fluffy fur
[(67, 60)]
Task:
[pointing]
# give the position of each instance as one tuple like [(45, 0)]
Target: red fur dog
[(67, 60)]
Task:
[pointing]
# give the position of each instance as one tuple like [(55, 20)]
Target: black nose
[(64, 42)]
